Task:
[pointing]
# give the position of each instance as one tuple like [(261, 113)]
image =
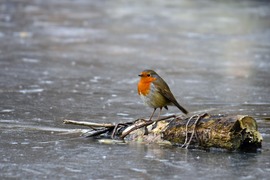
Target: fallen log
[(202, 131)]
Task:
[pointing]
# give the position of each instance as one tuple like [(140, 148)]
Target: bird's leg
[(159, 112), (145, 127), (152, 114), (155, 124)]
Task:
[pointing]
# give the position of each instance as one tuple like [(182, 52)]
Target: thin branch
[(134, 127), (194, 129), (186, 139), (143, 124), (93, 133), (89, 124), (116, 128)]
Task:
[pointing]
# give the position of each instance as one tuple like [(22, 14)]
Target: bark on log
[(199, 131), (226, 132)]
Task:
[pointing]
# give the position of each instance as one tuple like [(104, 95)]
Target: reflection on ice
[(95, 79), (30, 60), (23, 34), (122, 114), (6, 111), (45, 82), (25, 91)]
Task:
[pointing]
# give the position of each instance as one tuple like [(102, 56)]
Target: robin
[(155, 92)]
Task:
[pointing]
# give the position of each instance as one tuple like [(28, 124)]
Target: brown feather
[(164, 89)]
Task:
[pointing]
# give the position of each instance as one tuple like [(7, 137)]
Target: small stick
[(186, 139), (90, 124), (164, 118), (136, 127), (95, 132), (194, 129), (144, 124), (115, 129)]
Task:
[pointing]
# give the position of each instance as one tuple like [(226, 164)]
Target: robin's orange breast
[(144, 88), (144, 85), (151, 96)]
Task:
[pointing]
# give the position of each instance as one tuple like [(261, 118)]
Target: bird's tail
[(181, 108)]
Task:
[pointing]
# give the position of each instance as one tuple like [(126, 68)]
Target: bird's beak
[(140, 75)]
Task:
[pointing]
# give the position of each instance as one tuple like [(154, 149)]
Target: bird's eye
[(148, 75)]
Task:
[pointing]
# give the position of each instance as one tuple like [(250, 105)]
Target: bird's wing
[(166, 92)]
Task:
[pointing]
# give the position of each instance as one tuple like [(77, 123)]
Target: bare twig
[(165, 118), (134, 127), (199, 117), (143, 124), (89, 124), (186, 139), (116, 128), (96, 132)]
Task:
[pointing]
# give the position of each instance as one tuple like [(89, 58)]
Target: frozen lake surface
[(81, 59)]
